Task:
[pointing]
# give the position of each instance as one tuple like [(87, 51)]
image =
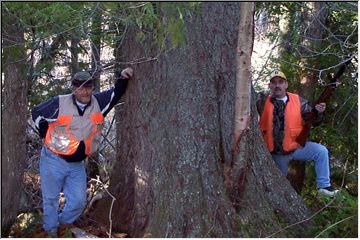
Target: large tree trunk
[(13, 124), (175, 136)]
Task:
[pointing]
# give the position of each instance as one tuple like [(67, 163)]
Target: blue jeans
[(310, 152), (58, 175)]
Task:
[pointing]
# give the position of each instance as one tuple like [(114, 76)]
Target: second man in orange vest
[(281, 118)]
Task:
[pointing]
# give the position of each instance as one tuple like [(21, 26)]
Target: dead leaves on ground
[(29, 225)]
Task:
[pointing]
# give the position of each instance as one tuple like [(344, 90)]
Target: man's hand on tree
[(127, 72)]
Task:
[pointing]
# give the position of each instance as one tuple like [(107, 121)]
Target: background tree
[(95, 43), (14, 115)]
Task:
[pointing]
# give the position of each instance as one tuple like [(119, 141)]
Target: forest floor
[(333, 217), (29, 225)]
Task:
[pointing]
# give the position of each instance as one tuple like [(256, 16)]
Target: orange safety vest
[(293, 123), (64, 135)]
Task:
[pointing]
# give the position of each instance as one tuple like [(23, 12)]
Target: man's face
[(278, 87), (83, 94)]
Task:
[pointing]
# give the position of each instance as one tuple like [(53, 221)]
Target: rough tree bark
[(176, 133), (13, 124)]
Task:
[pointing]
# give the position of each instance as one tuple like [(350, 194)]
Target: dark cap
[(82, 78)]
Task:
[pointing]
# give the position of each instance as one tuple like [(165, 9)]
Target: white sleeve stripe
[(50, 119), (108, 105), (37, 120)]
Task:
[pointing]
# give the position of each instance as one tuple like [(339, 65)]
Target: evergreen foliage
[(51, 26)]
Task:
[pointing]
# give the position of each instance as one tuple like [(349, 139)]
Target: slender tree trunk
[(176, 133), (74, 50), (49, 52), (14, 116), (92, 165), (96, 46)]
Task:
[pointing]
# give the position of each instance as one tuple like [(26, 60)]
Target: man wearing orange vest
[(71, 125), (281, 121)]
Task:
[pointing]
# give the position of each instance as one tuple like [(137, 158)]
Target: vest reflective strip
[(59, 138), (94, 137), (64, 135), (293, 123)]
